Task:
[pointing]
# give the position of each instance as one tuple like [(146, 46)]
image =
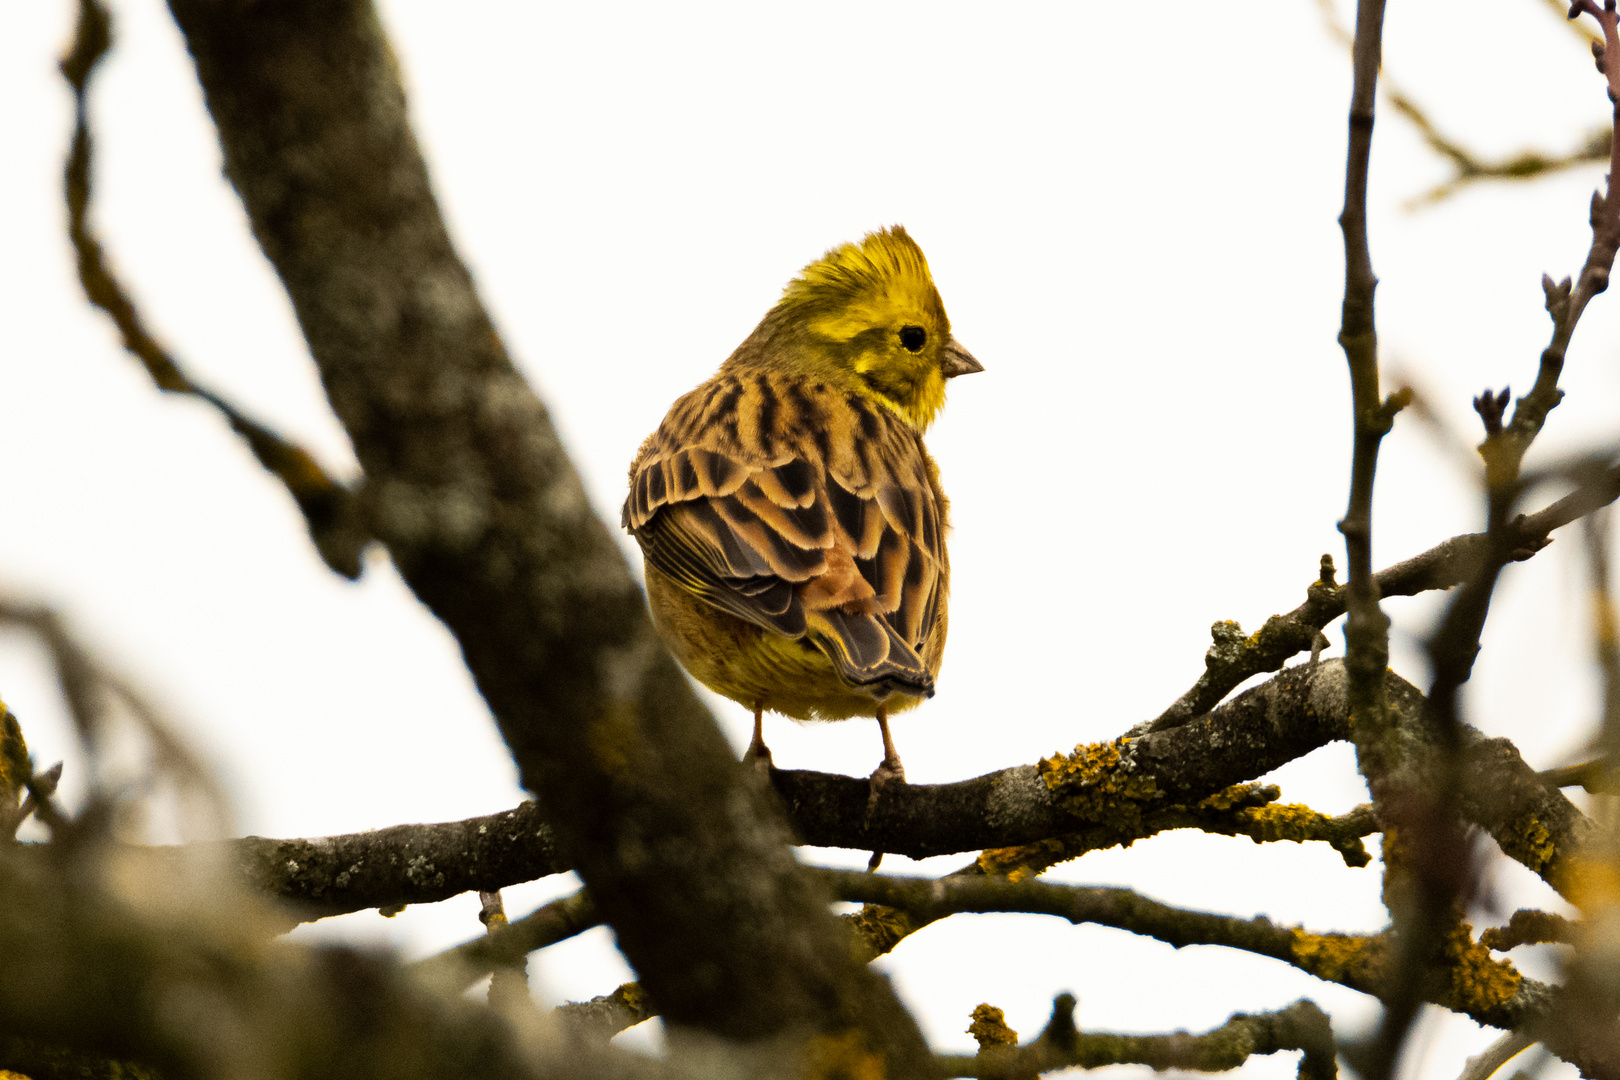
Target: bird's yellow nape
[(857, 286)]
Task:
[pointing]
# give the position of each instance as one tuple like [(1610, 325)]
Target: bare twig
[(89, 688), (509, 944), (1590, 776), (509, 981), (1367, 628), (40, 786), (1469, 167), (331, 511), (599, 1019), (1484, 1065)]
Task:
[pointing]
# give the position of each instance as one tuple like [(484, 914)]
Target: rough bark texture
[(406, 864), (1289, 716), (469, 488)]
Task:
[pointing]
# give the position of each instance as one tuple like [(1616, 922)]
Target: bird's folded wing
[(849, 551)]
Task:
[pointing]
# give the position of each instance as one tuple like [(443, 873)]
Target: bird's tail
[(869, 653)]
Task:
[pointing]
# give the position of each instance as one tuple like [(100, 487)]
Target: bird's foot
[(885, 776)]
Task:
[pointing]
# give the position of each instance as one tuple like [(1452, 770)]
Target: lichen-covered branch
[(1530, 927), (331, 510), (604, 1016), (1118, 786), (1301, 1026), (1241, 810), (405, 864), (1460, 974), (1029, 816)]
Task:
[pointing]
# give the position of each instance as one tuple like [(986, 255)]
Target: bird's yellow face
[(870, 310)]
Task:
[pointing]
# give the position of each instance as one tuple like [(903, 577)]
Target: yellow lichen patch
[(990, 1028), (632, 996), (1091, 784), (878, 929), (1240, 795), (1478, 980), (1534, 845), (842, 1056), (1286, 821), (1025, 861), (1341, 958)]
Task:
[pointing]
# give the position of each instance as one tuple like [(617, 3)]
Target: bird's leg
[(890, 770), (758, 754)]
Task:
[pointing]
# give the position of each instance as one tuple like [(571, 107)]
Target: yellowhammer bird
[(791, 519)]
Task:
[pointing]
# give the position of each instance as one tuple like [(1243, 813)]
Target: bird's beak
[(955, 360)]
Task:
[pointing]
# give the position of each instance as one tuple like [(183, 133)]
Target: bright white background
[(1130, 213)]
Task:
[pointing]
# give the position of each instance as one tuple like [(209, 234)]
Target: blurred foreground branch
[(469, 487)]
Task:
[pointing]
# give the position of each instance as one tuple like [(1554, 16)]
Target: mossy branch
[(1301, 1026), (1459, 974)]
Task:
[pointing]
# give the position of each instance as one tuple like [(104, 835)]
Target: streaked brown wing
[(847, 550)]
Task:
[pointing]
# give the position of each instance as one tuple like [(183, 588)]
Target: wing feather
[(818, 516)]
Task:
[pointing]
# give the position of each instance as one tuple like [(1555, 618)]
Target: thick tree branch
[(406, 864), (469, 487), (1061, 814)]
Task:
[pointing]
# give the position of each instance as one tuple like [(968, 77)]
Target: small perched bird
[(790, 517)]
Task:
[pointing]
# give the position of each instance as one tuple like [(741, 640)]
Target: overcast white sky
[(1130, 212)]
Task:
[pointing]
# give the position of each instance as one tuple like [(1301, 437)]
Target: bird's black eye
[(913, 338)]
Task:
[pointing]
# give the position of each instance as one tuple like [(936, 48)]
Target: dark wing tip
[(869, 653)]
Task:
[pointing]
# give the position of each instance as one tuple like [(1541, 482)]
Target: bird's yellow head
[(870, 312)]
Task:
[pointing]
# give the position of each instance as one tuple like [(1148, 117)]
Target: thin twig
[(1484, 1065), (331, 511), (1450, 563), (1469, 167), (88, 688), (508, 945), (509, 981)]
